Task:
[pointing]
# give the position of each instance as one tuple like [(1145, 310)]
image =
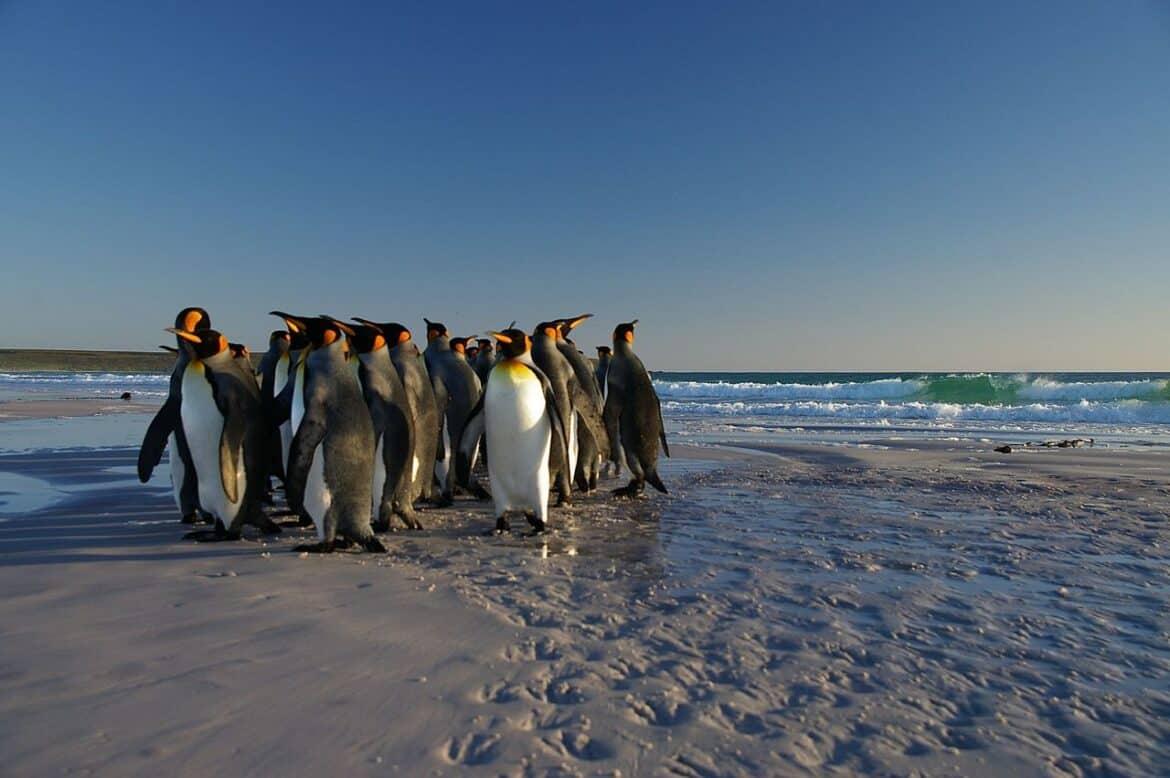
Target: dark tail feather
[(653, 479)]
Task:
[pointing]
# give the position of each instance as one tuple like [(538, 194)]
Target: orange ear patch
[(329, 337), (379, 342), (629, 336), (404, 336), (191, 320)]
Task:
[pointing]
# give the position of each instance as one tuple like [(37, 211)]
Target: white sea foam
[(880, 389), (1051, 390), (1086, 411)]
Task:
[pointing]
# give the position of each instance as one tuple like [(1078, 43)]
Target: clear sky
[(770, 186)]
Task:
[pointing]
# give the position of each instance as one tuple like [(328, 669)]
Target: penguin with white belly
[(220, 419), (519, 414), (393, 428), (331, 460), (165, 430), (420, 400), (592, 438)]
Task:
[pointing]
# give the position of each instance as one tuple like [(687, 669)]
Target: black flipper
[(300, 455), (612, 417), (560, 436), (661, 429), (231, 450), (468, 443), (441, 400), (587, 410), (155, 440)]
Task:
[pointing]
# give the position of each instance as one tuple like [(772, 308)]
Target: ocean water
[(844, 408), (1122, 408)]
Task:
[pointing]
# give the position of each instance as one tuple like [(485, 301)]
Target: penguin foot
[(537, 525), (445, 501), (410, 520), (502, 527), (267, 526), (380, 525), (373, 545), (211, 536), (324, 547), (191, 518), (629, 491)]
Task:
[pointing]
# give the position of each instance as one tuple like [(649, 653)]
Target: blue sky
[(771, 186)]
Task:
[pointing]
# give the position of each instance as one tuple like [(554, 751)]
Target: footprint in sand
[(473, 749), (660, 712), (577, 745)]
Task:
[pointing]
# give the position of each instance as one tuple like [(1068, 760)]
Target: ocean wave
[(1085, 411), (955, 388), (880, 389), (87, 379)]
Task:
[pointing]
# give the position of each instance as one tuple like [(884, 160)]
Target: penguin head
[(549, 329), (484, 344), (298, 331), (435, 329), (366, 338), (193, 320), (568, 325), (459, 345), (394, 332), (513, 342), (472, 352), (239, 350), (325, 331), (279, 340), (204, 344), (604, 351), (624, 333)]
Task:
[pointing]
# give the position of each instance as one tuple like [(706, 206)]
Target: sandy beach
[(927, 608)]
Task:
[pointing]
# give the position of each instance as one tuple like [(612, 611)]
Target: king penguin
[(273, 373), (572, 401), (331, 461), (457, 390), (485, 359), (420, 397), (632, 407), (393, 428), (592, 438), (166, 431), (220, 418), (519, 414)]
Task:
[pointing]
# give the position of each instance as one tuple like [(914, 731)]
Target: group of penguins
[(360, 426)]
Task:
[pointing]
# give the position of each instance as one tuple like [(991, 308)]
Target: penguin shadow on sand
[(91, 509)]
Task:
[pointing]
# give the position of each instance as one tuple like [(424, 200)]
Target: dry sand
[(927, 610)]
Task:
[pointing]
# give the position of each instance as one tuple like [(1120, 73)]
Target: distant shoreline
[(29, 360)]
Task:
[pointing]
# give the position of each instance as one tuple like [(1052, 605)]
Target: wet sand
[(927, 609), (73, 408)]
